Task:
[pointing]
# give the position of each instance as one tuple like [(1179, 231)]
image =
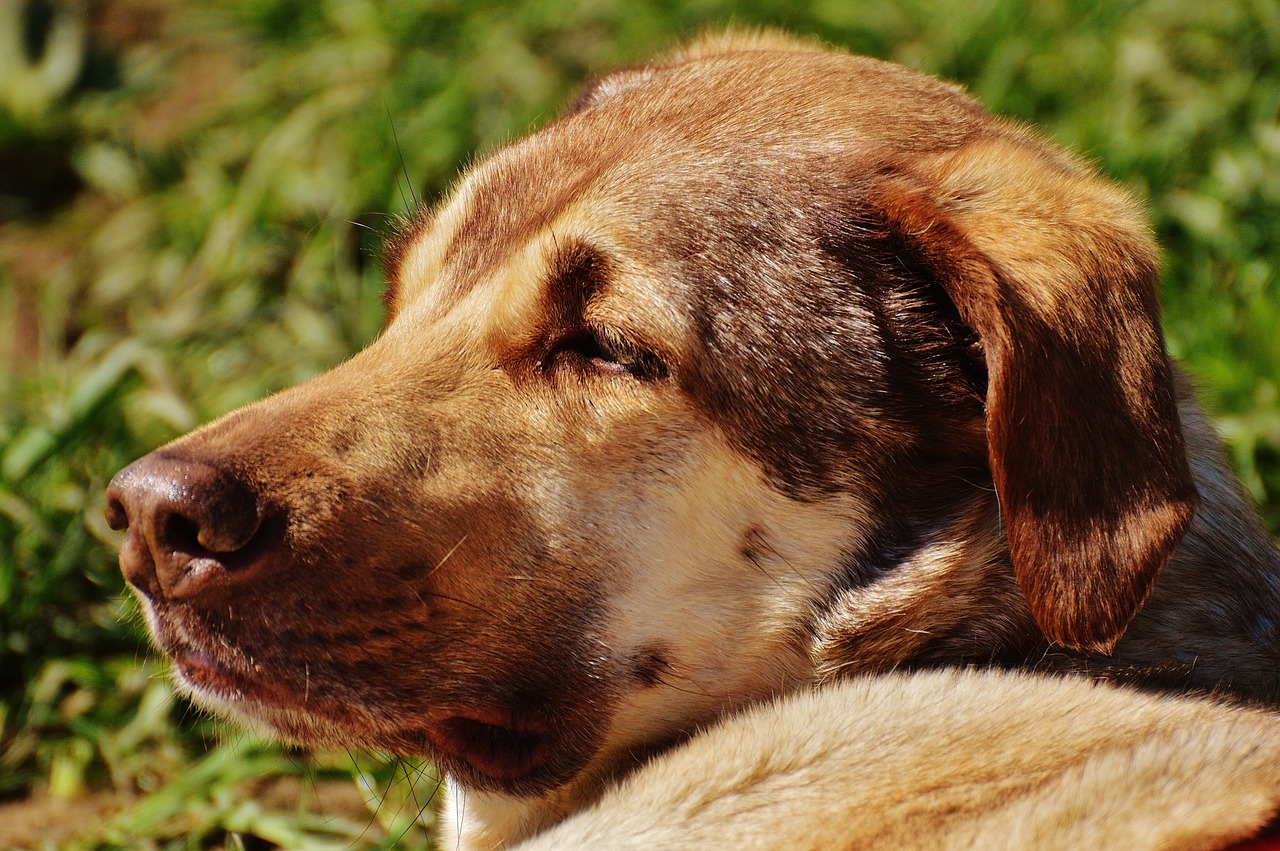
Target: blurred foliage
[(192, 196)]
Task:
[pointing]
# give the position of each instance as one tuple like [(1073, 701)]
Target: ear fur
[(1055, 271)]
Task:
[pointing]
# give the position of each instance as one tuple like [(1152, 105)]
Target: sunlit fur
[(761, 367), (946, 760)]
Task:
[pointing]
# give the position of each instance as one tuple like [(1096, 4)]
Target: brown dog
[(760, 366)]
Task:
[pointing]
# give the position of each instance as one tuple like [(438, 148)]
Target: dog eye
[(604, 351)]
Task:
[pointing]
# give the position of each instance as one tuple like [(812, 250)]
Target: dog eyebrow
[(577, 272), (406, 230)]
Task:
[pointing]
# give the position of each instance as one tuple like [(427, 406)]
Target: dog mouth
[(207, 676), (499, 746), (488, 746), (501, 740)]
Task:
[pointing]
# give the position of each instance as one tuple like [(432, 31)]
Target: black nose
[(192, 525)]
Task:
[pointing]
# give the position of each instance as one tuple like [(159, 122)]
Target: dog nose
[(190, 525)]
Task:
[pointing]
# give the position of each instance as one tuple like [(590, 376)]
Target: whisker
[(461, 602), (403, 167)]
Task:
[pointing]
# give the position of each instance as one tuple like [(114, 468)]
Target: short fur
[(948, 759), (764, 365)]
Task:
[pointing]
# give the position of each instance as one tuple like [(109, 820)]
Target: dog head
[(671, 392)]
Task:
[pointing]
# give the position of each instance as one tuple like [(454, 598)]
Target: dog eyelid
[(603, 350)]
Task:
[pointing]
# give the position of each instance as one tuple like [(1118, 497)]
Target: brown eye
[(604, 351)]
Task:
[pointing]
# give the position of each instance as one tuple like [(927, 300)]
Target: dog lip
[(496, 744), (203, 672)]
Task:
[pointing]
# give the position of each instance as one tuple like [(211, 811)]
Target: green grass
[(191, 202)]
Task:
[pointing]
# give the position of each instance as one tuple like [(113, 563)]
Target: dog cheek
[(714, 588)]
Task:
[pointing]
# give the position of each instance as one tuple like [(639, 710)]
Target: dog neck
[(953, 596)]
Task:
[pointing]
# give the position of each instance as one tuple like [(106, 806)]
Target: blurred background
[(192, 197)]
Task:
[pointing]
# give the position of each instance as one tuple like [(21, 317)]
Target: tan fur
[(950, 760), (761, 367)]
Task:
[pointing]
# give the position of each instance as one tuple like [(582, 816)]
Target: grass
[(191, 203)]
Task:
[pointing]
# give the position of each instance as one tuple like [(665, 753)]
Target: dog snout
[(191, 526)]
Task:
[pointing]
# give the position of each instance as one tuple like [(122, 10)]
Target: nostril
[(117, 516), (228, 532), (181, 535), (229, 521)]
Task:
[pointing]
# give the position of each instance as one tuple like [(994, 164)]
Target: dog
[(763, 366)]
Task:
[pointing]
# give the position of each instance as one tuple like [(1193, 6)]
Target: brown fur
[(762, 366)]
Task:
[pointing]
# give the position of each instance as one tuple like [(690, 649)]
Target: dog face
[(703, 390)]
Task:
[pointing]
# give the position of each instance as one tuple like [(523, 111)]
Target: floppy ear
[(1055, 270)]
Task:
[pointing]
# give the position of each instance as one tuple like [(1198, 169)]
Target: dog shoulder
[(949, 759)]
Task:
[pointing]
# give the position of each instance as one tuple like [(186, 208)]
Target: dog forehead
[(759, 100), (646, 147)]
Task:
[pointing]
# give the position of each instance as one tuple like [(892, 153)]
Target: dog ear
[(1055, 270)]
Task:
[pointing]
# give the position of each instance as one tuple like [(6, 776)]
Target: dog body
[(759, 368), (949, 759)]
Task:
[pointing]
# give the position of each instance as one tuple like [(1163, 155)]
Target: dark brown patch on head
[(825, 350), (577, 274)]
